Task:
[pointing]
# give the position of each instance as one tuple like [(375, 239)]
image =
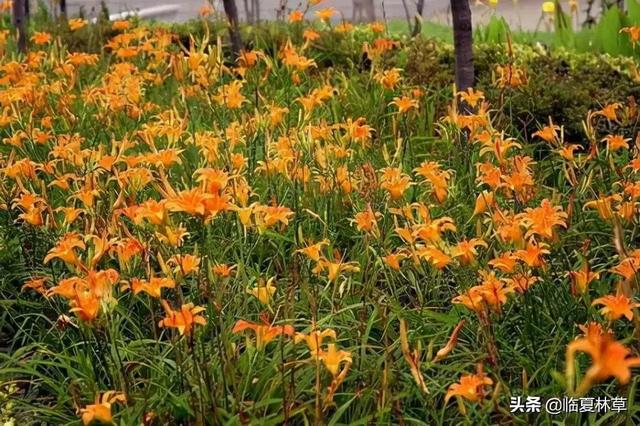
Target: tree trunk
[(369, 10), (256, 10), (231, 10), (417, 26), (248, 11), (407, 14), (19, 23), (282, 10), (463, 43)]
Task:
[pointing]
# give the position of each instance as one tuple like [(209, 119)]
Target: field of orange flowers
[(189, 240)]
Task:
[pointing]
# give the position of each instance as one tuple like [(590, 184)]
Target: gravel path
[(523, 14)]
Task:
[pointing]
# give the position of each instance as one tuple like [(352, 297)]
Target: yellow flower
[(389, 78), (333, 358), (100, 410), (121, 25), (76, 24), (263, 291), (549, 7), (315, 339), (377, 27), (230, 95), (313, 251)]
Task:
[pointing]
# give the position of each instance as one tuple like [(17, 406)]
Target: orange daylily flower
[(223, 270), (484, 202), (465, 251), (506, 262), (172, 235), (313, 251), (616, 142), (470, 387), (296, 16), (326, 13), (603, 205), (86, 305), (190, 201), (404, 104), (566, 151), (610, 111), (533, 254), (65, 249), (490, 175), (41, 38), (334, 269), (471, 97), (264, 332), (367, 221), (377, 27), (100, 410), (548, 133), (581, 279), (153, 286), (230, 95), (36, 284), (121, 25), (390, 78), (310, 35), (491, 292), (608, 359), (184, 320), (437, 178), (128, 248), (268, 216), (521, 282), (77, 23), (627, 210), (395, 182), (393, 260), (344, 27), (543, 220), (510, 76), (616, 306), (185, 264), (633, 32), (499, 147), (435, 256)]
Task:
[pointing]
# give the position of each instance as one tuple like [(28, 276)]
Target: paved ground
[(523, 14)]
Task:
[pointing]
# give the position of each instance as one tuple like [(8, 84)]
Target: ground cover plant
[(188, 239)]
